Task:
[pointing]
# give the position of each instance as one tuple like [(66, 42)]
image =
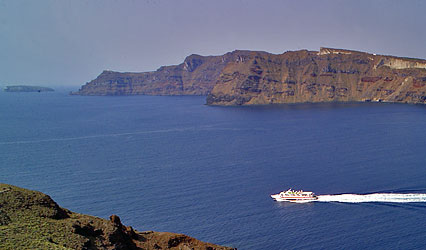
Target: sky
[(70, 42)]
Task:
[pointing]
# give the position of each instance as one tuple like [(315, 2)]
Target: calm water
[(174, 164)]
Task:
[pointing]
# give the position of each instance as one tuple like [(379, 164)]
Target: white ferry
[(294, 196)]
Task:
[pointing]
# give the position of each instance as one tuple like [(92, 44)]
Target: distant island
[(256, 77), (27, 88), (32, 220)]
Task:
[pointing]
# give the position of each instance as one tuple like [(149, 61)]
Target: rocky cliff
[(32, 220), (197, 75), (330, 75), (253, 77)]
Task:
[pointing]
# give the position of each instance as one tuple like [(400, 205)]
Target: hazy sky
[(70, 42)]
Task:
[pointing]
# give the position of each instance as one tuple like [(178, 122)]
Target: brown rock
[(115, 220)]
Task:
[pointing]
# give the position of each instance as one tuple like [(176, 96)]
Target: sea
[(174, 164)]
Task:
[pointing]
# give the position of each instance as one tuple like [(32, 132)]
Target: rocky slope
[(253, 77), (330, 75), (197, 75), (32, 220)]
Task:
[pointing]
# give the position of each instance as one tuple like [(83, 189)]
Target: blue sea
[(173, 164)]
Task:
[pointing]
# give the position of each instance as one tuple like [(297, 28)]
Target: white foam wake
[(378, 197)]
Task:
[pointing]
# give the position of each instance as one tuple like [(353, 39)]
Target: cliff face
[(250, 77), (197, 75), (32, 220), (330, 75)]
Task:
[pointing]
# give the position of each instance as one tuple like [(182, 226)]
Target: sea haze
[(174, 164)]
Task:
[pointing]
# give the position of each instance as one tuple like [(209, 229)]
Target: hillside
[(32, 220)]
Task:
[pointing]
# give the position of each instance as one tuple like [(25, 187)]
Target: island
[(32, 220), (27, 88), (256, 77)]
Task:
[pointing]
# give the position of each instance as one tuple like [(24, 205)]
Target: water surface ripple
[(173, 164)]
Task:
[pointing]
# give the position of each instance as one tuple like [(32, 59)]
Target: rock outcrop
[(254, 77), (32, 220)]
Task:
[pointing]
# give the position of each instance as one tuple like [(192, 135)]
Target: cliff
[(25, 88), (32, 220), (197, 75), (330, 75), (254, 77)]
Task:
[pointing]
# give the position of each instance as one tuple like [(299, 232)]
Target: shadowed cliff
[(32, 220), (253, 77), (197, 75)]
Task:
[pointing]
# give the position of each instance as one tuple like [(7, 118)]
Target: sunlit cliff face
[(330, 75)]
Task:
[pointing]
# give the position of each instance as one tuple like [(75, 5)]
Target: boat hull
[(277, 197)]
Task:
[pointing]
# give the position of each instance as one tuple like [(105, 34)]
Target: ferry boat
[(294, 196)]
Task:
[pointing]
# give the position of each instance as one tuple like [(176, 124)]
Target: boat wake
[(173, 130), (377, 197)]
